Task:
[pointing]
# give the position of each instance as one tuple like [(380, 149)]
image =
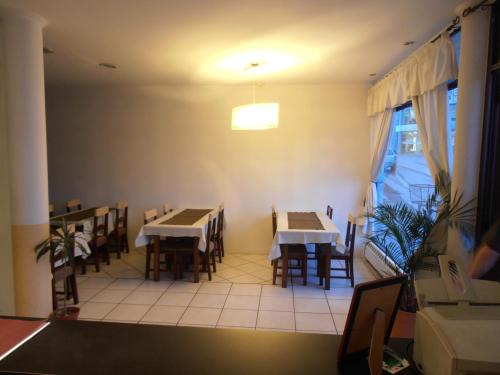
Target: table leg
[(156, 258), (284, 269), (327, 256), (196, 261)]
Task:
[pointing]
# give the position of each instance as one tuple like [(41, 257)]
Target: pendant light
[(255, 116)]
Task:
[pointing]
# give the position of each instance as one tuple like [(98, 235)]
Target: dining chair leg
[(346, 265), (126, 243), (54, 295), (284, 267), (207, 265), (222, 245), (96, 255), (118, 246), (74, 289), (196, 260), (106, 252), (351, 267), (327, 266), (275, 270), (304, 270), (214, 261), (219, 249), (84, 266), (148, 261)]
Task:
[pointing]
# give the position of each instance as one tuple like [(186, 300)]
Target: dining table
[(182, 222), (304, 228), (83, 220)]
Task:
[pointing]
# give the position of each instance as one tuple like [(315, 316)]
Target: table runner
[(304, 220), (75, 216), (188, 216)]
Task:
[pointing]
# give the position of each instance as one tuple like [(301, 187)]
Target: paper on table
[(15, 332)]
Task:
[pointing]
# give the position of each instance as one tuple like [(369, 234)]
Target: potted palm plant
[(61, 246), (413, 238)]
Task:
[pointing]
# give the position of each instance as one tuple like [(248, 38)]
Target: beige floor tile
[(142, 297), (314, 322), (91, 310), (277, 291), (86, 294), (252, 268), (339, 306), (242, 302), (200, 316), (246, 289), (309, 291), (339, 293), (238, 318), (164, 314), (151, 285), (129, 313), (96, 283), (215, 301), (276, 319), (175, 299), (263, 274), (339, 320), (126, 284), (276, 303), (245, 279), (229, 273), (233, 261), (183, 287), (215, 288), (311, 305), (110, 296)]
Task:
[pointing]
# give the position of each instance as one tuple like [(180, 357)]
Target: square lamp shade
[(258, 116)]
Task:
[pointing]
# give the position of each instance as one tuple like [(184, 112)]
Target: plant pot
[(404, 325), (68, 313)]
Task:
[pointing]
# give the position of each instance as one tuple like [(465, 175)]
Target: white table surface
[(79, 238), (155, 228), (330, 234)]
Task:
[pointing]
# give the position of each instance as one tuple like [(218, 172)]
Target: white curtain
[(430, 113), (381, 131), (430, 66)]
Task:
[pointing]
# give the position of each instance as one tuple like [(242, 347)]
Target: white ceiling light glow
[(258, 116)]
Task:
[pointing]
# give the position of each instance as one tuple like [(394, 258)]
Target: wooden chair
[(167, 208), (288, 252), (329, 212), (119, 235), (184, 251), (99, 242), (218, 234), (343, 253), (51, 210), (73, 205), (63, 269)]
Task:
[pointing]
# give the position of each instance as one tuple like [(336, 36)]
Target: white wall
[(7, 301), (154, 144)]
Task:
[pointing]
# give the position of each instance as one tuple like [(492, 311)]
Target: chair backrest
[(167, 207), (220, 222), (274, 218), (350, 235), (51, 210), (73, 205), (56, 253), (101, 216), (329, 211), (210, 228), (150, 215), (121, 215)]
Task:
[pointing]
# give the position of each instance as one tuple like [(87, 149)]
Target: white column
[(470, 109), (27, 158)]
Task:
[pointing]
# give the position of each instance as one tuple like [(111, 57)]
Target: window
[(405, 175)]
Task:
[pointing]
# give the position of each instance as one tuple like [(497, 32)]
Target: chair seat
[(101, 241), (340, 251), (297, 248), (118, 232)]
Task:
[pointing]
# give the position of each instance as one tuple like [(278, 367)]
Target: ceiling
[(213, 41)]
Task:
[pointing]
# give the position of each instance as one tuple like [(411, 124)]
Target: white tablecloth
[(155, 228), (88, 225), (330, 234), (77, 251)]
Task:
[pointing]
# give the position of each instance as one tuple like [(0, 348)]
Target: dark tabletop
[(79, 347)]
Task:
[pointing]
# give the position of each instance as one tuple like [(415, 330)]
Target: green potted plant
[(413, 238), (61, 246)]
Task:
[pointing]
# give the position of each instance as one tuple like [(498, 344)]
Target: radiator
[(378, 260)]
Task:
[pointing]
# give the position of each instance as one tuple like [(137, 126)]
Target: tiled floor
[(240, 295)]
